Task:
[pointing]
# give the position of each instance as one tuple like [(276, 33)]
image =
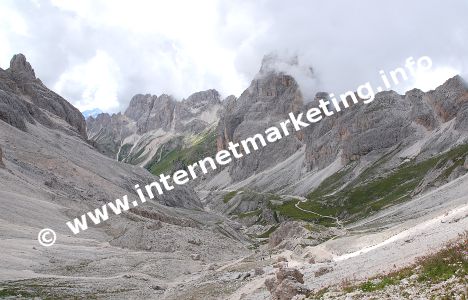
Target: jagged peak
[(20, 65), (211, 95), (455, 81)]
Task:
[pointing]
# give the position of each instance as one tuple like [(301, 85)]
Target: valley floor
[(92, 266)]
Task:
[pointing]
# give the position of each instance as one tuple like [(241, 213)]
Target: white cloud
[(180, 47), (96, 82), (428, 80)]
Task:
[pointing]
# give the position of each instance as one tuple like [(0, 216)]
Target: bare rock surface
[(288, 283), (179, 246), (2, 165), (151, 121), (24, 99)]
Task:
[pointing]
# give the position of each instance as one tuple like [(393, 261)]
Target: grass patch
[(12, 292), (290, 210), (250, 213), (267, 233), (229, 196), (450, 261), (137, 158), (371, 192), (124, 151), (201, 146)]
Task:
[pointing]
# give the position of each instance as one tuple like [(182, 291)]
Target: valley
[(322, 212)]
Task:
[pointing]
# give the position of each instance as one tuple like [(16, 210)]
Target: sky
[(98, 54)]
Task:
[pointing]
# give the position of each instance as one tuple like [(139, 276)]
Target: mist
[(98, 54)]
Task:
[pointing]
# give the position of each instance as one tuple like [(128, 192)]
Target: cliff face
[(267, 101), (395, 127), (150, 121), (24, 99), (390, 120), (53, 176)]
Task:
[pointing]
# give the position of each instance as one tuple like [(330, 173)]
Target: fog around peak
[(98, 54)]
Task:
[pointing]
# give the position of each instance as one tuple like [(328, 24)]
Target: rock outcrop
[(151, 121), (25, 99), (267, 101), (288, 283), (391, 119)]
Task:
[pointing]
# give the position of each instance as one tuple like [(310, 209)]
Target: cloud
[(100, 53), (95, 81)]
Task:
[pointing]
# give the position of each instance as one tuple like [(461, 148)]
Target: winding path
[(337, 221)]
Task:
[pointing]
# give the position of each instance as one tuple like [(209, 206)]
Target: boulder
[(291, 273), (259, 271), (289, 288), (466, 163), (195, 256), (289, 283)]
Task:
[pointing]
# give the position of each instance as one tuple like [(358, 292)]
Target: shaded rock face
[(152, 112), (358, 131), (268, 100), (24, 99), (105, 129), (21, 68), (164, 112), (390, 120), (466, 163), (447, 99), (2, 165)]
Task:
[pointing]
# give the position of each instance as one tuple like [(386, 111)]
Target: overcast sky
[(98, 54)]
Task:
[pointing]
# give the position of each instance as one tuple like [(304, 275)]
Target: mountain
[(25, 99), (359, 149), (50, 174), (91, 113), (342, 208), (151, 121), (349, 167)]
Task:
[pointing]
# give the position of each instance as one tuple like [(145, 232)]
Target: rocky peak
[(455, 83), (449, 99), (25, 99), (203, 98), (138, 105), (20, 66)]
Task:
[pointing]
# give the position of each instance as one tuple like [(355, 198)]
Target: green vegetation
[(229, 196), (247, 214), (433, 269), (267, 233), (371, 191), (381, 282), (124, 151), (452, 260), (289, 209), (136, 158), (12, 292), (201, 146)]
